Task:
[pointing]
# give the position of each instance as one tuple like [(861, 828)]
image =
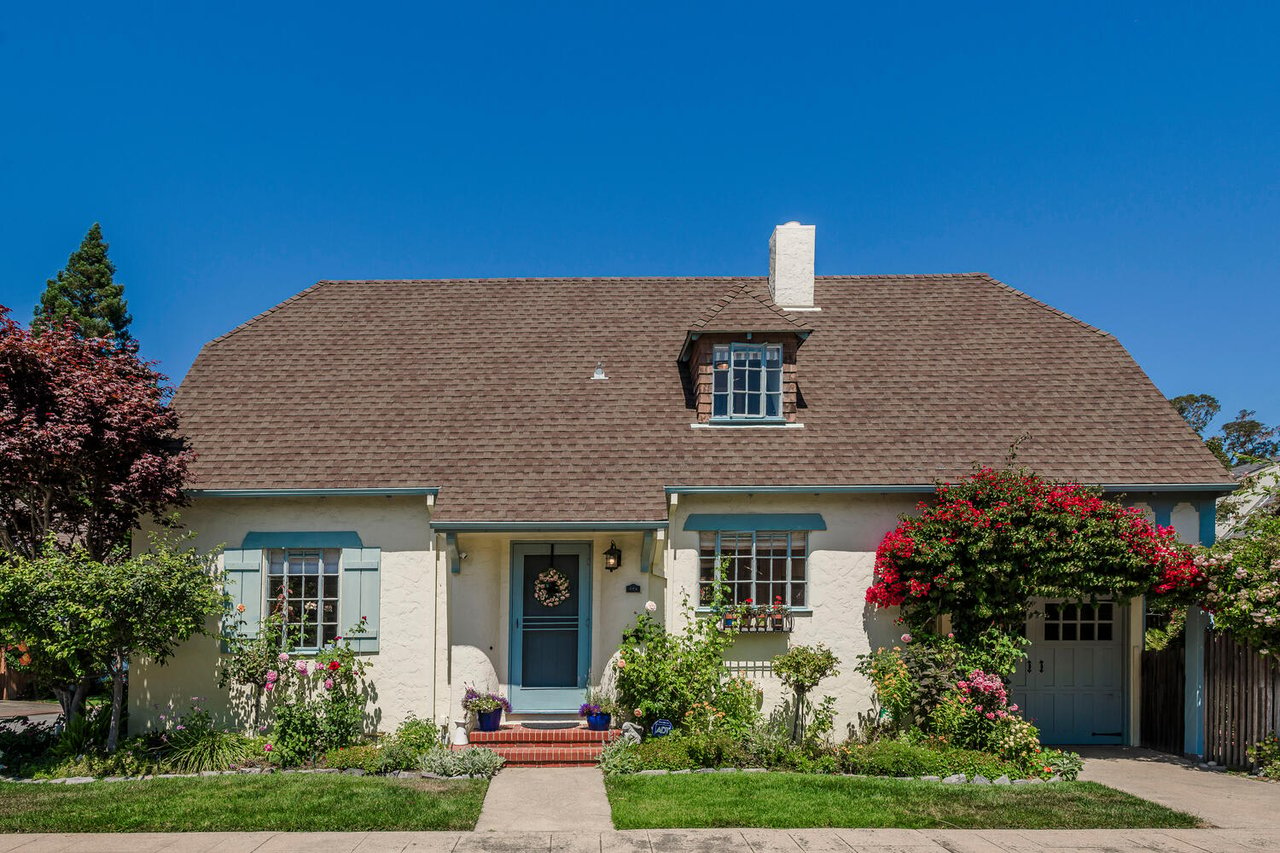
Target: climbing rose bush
[(989, 544), (1242, 589)]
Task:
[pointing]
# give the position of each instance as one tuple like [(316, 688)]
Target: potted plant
[(488, 708), (597, 711), (778, 613)]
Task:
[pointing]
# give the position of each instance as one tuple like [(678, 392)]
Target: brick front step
[(531, 747), (573, 755), (523, 735)]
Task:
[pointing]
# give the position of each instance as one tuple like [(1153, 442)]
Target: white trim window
[(746, 382), (303, 583), (760, 567)]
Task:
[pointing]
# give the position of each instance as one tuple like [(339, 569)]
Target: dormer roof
[(746, 308)]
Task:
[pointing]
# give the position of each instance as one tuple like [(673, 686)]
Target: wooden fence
[(1164, 675), (1242, 698)]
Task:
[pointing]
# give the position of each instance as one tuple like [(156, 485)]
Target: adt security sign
[(660, 728)]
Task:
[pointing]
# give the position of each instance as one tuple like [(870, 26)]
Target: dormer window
[(746, 382)]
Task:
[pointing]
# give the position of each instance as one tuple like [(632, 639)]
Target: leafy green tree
[(85, 293), (802, 668), (1198, 410), (82, 617), (1247, 438)]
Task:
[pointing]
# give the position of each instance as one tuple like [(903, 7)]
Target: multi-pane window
[(764, 567), (1084, 623), (746, 381), (303, 585)]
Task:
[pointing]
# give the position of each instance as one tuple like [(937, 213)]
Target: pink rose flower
[(906, 638), (272, 675), (266, 747), (301, 667), (990, 716), (269, 686), (328, 684), (283, 657)]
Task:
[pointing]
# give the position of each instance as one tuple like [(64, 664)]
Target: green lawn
[(319, 802), (794, 801)]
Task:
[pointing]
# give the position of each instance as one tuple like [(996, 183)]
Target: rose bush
[(989, 544)]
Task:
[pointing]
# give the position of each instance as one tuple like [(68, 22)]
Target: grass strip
[(796, 801), (278, 803)]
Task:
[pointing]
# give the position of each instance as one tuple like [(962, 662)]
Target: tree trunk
[(117, 702), (71, 698)]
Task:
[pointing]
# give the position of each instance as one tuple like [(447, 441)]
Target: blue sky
[(1118, 160)]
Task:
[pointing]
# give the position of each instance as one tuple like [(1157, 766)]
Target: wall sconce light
[(613, 556)]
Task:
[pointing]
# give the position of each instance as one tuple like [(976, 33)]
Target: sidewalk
[(1223, 800), (661, 841), (533, 799)]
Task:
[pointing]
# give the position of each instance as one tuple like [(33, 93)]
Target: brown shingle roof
[(483, 388), (744, 308)]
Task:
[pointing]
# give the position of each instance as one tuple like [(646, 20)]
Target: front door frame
[(548, 699)]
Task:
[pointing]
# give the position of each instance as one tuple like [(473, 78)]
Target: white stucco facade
[(447, 623)]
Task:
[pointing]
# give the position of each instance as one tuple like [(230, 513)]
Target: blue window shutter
[(243, 585), (361, 590)]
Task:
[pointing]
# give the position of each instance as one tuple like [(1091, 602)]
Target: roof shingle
[(482, 387)]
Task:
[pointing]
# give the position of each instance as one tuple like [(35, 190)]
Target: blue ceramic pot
[(490, 721), (598, 722)]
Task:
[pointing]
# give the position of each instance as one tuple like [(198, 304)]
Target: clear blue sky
[(1118, 160)]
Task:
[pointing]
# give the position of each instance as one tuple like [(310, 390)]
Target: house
[(454, 462)]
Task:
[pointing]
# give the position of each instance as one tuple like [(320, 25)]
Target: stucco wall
[(840, 568), (479, 605), (402, 670)]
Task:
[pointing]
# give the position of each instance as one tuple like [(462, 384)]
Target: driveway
[(1223, 800)]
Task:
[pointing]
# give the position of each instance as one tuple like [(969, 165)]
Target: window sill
[(795, 611), (762, 424)]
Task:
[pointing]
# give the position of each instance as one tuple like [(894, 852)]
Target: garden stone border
[(246, 771), (955, 779)]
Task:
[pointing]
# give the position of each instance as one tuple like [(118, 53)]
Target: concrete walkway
[(534, 799), (1223, 800), (23, 708), (661, 841)]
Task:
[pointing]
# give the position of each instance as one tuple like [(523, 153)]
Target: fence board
[(1242, 694)]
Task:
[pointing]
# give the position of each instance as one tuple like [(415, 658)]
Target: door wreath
[(551, 588)]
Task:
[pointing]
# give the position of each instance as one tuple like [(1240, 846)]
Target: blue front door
[(550, 625)]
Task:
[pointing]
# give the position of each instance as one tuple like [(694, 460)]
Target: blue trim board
[(646, 551), (451, 552), (302, 539), (755, 521), (1208, 510), (310, 493), (553, 526)]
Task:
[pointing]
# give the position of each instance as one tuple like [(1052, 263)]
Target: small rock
[(979, 780), (1036, 781), (328, 770), (728, 770), (432, 776), (78, 780), (353, 771), (54, 781), (210, 772), (1211, 763), (755, 770), (1054, 779), (1022, 781), (251, 770), (956, 779), (705, 770), (1002, 780), (652, 773), (631, 732), (930, 778), (686, 770), (113, 779), (1203, 765)]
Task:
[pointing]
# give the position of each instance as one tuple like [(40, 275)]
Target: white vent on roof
[(599, 374), (791, 265)]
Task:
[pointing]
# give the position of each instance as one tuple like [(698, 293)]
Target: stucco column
[(1193, 700)]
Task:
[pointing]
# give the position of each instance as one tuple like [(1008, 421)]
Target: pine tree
[(85, 293)]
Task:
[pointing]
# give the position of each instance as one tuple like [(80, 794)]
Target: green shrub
[(665, 753), (660, 674), (462, 762), (193, 744), (716, 749), (931, 757), (85, 734), (134, 757), (23, 741), (367, 757), (419, 735), (620, 757)]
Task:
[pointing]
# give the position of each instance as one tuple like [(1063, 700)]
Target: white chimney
[(791, 265)]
